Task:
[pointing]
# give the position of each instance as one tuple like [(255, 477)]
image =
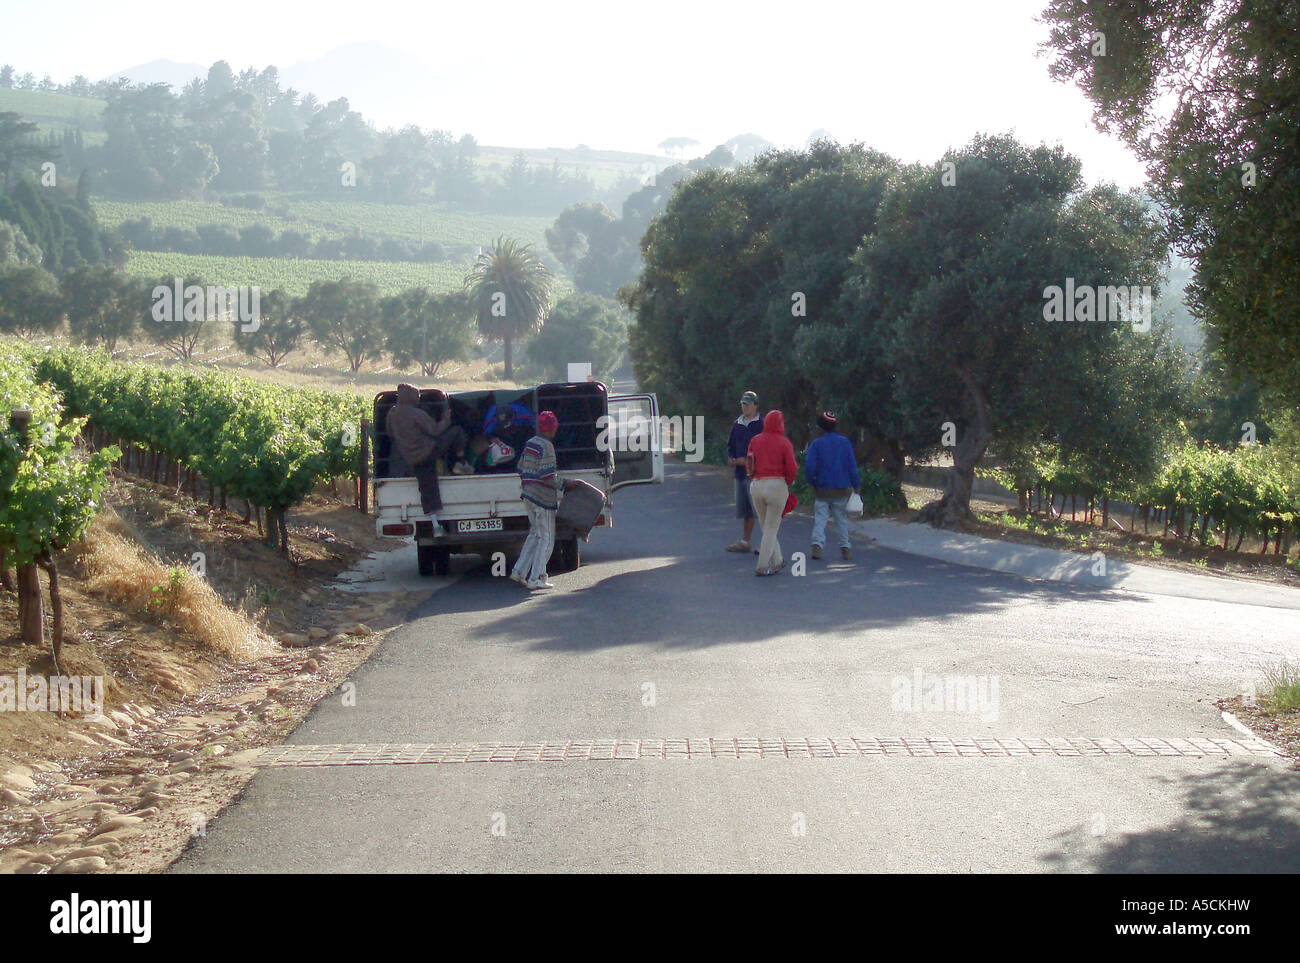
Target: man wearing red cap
[(540, 487)]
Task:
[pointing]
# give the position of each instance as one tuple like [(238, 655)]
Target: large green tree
[(738, 265), (20, 154), (510, 289), (279, 331), (30, 302), (344, 315), (149, 151), (595, 247), (427, 329), (953, 290), (102, 305), (1208, 95), (583, 327)]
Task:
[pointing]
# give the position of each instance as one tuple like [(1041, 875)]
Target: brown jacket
[(413, 432)]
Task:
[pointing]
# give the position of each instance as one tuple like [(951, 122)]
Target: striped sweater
[(537, 476)]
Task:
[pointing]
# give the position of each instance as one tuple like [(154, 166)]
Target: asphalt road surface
[(662, 636)]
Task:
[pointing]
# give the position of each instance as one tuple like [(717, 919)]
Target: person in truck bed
[(421, 441), (508, 428)]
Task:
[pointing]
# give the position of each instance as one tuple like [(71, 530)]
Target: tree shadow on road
[(1239, 818), (686, 592)]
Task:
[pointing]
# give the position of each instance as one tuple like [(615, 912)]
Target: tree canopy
[(1208, 95)]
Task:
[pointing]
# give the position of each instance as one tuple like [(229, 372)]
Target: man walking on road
[(540, 489), (745, 429), (832, 471)]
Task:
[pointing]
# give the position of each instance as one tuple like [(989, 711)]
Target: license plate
[(480, 525)]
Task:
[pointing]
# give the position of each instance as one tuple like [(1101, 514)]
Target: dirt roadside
[(182, 720)]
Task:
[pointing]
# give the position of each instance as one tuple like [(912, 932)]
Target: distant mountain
[(161, 71), (390, 87)]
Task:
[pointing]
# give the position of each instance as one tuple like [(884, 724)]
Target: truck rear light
[(405, 529)]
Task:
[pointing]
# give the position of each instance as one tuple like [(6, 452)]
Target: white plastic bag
[(854, 506)]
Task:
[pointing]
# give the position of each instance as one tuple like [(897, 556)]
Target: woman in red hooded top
[(771, 465)]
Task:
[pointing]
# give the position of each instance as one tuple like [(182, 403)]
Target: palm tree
[(510, 289)]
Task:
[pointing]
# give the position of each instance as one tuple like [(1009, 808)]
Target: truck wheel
[(566, 557), (424, 557), (441, 561)]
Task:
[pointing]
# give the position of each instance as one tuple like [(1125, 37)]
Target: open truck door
[(634, 440)]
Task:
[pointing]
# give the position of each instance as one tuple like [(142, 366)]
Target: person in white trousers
[(540, 487)]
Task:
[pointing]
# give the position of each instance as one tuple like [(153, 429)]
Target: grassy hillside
[(59, 108), (319, 219), (294, 275), (604, 167)]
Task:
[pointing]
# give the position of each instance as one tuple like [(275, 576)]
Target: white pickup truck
[(606, 441)]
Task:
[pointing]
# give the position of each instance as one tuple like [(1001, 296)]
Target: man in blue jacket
[(832, 471), (743, 431)]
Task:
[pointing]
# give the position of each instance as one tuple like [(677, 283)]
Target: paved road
[(661, 635)]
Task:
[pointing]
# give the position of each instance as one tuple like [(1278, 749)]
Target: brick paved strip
[(750, 747)]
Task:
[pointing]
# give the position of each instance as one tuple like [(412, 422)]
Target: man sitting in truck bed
[(421, 441), (513, 425)]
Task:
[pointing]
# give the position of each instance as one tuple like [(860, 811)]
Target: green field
[(64, 109), (294, 275), (335, 219), (190, 214), (605, 168), (427, 222)]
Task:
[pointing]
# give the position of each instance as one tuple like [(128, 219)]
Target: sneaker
[(816, 551), (739, 546), (846, 553), (517, 578), (541, 583), (462, 468)]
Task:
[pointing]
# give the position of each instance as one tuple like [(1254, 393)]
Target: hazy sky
[(908, 78)]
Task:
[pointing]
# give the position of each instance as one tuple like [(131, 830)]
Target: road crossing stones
[(614, 750)]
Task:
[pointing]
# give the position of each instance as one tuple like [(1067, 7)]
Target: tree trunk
[(31, 613), (277, 529), (955, 503), (510, 367), (56, 608)]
